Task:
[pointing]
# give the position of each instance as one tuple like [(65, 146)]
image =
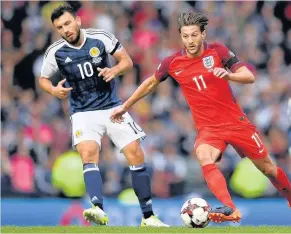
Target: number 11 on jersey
[(200, 80)]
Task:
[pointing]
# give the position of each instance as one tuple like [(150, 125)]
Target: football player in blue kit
[(82, 58)]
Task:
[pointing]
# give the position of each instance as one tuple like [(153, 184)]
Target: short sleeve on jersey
[(227, 57), (111, 43), (161, 73), (49, 65)]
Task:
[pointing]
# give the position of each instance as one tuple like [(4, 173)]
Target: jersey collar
[(78, 47)]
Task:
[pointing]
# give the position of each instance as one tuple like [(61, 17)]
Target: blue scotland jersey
[(78, 65)]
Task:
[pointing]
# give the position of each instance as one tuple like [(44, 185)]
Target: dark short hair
[(59, 11), (191, 18)]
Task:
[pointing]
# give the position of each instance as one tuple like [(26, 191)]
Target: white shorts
[(92, 125)]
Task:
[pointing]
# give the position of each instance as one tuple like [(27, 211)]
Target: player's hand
[(59, 91), (221, 73), (107, 73), (117, 114)]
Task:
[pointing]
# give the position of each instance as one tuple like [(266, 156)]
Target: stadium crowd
[(36, 127)]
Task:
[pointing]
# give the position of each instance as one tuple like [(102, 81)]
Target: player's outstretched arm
[(148, 86), (242, 75), (124, 64), (58, 91), (240, 72), (124, 61)]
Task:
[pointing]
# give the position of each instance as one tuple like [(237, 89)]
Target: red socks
[(217, 184), (282, 183)]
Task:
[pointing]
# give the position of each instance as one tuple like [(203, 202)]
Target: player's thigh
[(248, 142), (86, 127), (209, 147), (125, 132)]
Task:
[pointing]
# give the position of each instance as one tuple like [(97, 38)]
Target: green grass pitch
[(108, 229)]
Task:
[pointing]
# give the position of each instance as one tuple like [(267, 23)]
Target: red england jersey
[(210, 98)]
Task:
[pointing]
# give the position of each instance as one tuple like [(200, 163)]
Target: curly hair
[(191, 18)]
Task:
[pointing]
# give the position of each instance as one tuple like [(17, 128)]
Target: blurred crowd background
[(36, 128)]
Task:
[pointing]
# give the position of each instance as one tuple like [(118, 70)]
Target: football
[(194, 213)]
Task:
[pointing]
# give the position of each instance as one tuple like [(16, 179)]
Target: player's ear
[(78, 19), (204, 34)]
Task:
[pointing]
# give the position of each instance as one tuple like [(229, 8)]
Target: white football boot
[(152, 221), (96, 215)]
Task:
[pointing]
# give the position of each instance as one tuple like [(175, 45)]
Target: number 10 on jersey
[(88, 69), (200, 82)]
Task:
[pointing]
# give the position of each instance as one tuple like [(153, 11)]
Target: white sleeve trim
[(105, 36)]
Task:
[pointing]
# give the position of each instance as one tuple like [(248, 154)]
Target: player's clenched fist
[(221, 73), (59, 91), (116, 115), (107, 73)]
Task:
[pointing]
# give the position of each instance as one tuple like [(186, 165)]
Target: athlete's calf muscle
[(266, 166)]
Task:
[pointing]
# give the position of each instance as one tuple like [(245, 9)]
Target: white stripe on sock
[(135, 168), (91, 169)]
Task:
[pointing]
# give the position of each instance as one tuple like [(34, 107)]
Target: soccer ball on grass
[(194, 213)]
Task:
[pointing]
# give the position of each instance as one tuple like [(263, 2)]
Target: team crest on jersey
[(94, 52), (78, 133), (208, 62)]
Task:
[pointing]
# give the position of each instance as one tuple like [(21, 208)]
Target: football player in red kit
[(203, 71)]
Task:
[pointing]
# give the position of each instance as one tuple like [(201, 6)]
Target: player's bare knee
[(204, 156), (205, 160), (86, 158), (88, 152), (136, 158), (134, 154), (89, 156)]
